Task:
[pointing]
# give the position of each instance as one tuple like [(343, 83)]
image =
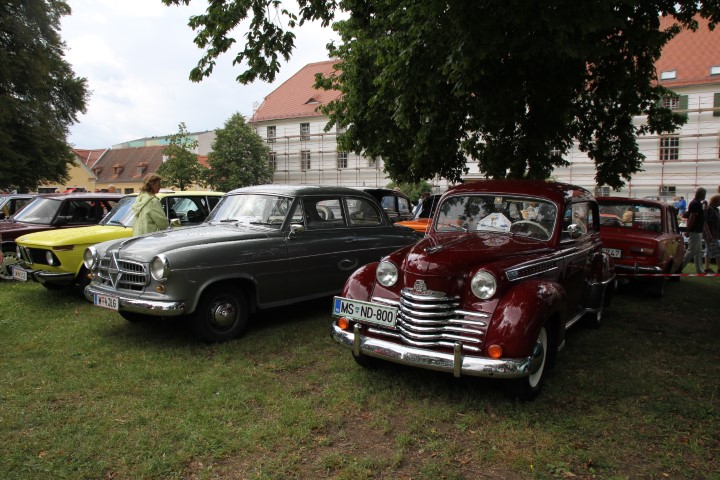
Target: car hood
[(447, 255), (145, 247), (74, 236), (10, 230)]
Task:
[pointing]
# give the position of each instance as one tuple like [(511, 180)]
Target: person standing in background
[(694, 231), (149, 214), (712, 233)]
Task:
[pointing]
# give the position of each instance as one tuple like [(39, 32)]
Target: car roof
[(556, 191), (293, 190), (186, 193), (643, 201), (83, 195)]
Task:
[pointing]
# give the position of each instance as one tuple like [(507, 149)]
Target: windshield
[(121, 214), (631, 215), (529, 217), (41, 211), (268, 210)]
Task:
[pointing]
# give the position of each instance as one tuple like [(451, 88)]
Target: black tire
[(221, 315), (656, 287), (527, 388)]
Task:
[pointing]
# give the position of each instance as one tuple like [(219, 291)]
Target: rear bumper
[(455, 363)]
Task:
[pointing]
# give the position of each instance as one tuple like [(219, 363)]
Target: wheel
[(325, 212), (221, 315), (656, 287), (527, 388), (532, 225), (9, 259)]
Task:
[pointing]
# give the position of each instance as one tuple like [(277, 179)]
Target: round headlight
[(483, 285), (386, 274), (159, 268), (90, 257), (49, 258)]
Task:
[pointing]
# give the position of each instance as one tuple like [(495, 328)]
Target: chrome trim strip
[(454, 363), (150, 307)]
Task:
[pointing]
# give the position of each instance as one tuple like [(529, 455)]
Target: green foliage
[(239, 157), (412, 190), (182, 168), (427, 85), (40, 96)]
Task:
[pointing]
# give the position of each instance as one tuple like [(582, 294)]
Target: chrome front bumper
[(138, 305), (455, 363)]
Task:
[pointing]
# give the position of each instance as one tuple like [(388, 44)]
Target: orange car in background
[(424, 216)]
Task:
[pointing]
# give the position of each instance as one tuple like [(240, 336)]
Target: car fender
[(597, 294), (522, 311), (360, 284)]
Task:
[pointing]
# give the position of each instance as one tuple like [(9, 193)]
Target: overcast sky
[(137, 55)]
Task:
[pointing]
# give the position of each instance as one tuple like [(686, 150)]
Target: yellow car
[(55, 257)]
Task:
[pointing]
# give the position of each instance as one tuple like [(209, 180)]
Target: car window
[(533, 218), (388, 203), (40, 211), (121, 214), (631, 215), (404, 206), (323, 213), (252, 209), (363, 212)]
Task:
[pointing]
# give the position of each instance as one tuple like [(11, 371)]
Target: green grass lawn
[(87, 395)]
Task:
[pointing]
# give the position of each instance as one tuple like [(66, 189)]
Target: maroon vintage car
[(505, 268), (642, 237), (50, 211)]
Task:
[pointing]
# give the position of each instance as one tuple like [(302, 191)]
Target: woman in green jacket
[(149, 214)]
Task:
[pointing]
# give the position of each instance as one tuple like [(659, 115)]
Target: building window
[(304, 132), (603, 191), (715, 70), (342, 160), (673, 103), (669, 148), (272, 160), (372, 162), (668, 75), (666, 190), (716, 105), (271, 133), (305, 160)]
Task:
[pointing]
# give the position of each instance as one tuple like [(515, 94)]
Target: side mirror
[(62, 220), (296, 229), (574, 231)]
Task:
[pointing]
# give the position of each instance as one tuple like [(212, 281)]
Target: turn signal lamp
[(343, 323), (160, 288), (494, 351)]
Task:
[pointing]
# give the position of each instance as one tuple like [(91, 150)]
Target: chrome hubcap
[(223, 314)]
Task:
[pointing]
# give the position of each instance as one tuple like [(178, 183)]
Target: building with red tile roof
[(302, 151), (675, 164)]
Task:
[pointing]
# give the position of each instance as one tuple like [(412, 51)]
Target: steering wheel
[(532, 224)]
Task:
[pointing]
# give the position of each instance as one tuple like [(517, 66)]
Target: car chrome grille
[(122, 274), (434, 321)]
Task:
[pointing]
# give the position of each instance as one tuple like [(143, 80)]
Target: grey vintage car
[(261, 247)]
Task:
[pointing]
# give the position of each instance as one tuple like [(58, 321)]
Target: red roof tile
[(88, 157), (121, 164), (296, 97), (690, 54)]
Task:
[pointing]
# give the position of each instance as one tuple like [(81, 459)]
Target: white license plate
[(365, 312), (613, 252), (20, 275), (106, 301)]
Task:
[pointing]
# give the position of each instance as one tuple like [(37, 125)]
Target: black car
[(396, 204)]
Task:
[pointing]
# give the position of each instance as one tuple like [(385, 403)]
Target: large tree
[(239, 157), (512, 84), (40, 96), (182, 168)]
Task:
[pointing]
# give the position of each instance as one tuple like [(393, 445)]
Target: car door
[(576, 253), (324, 254)]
